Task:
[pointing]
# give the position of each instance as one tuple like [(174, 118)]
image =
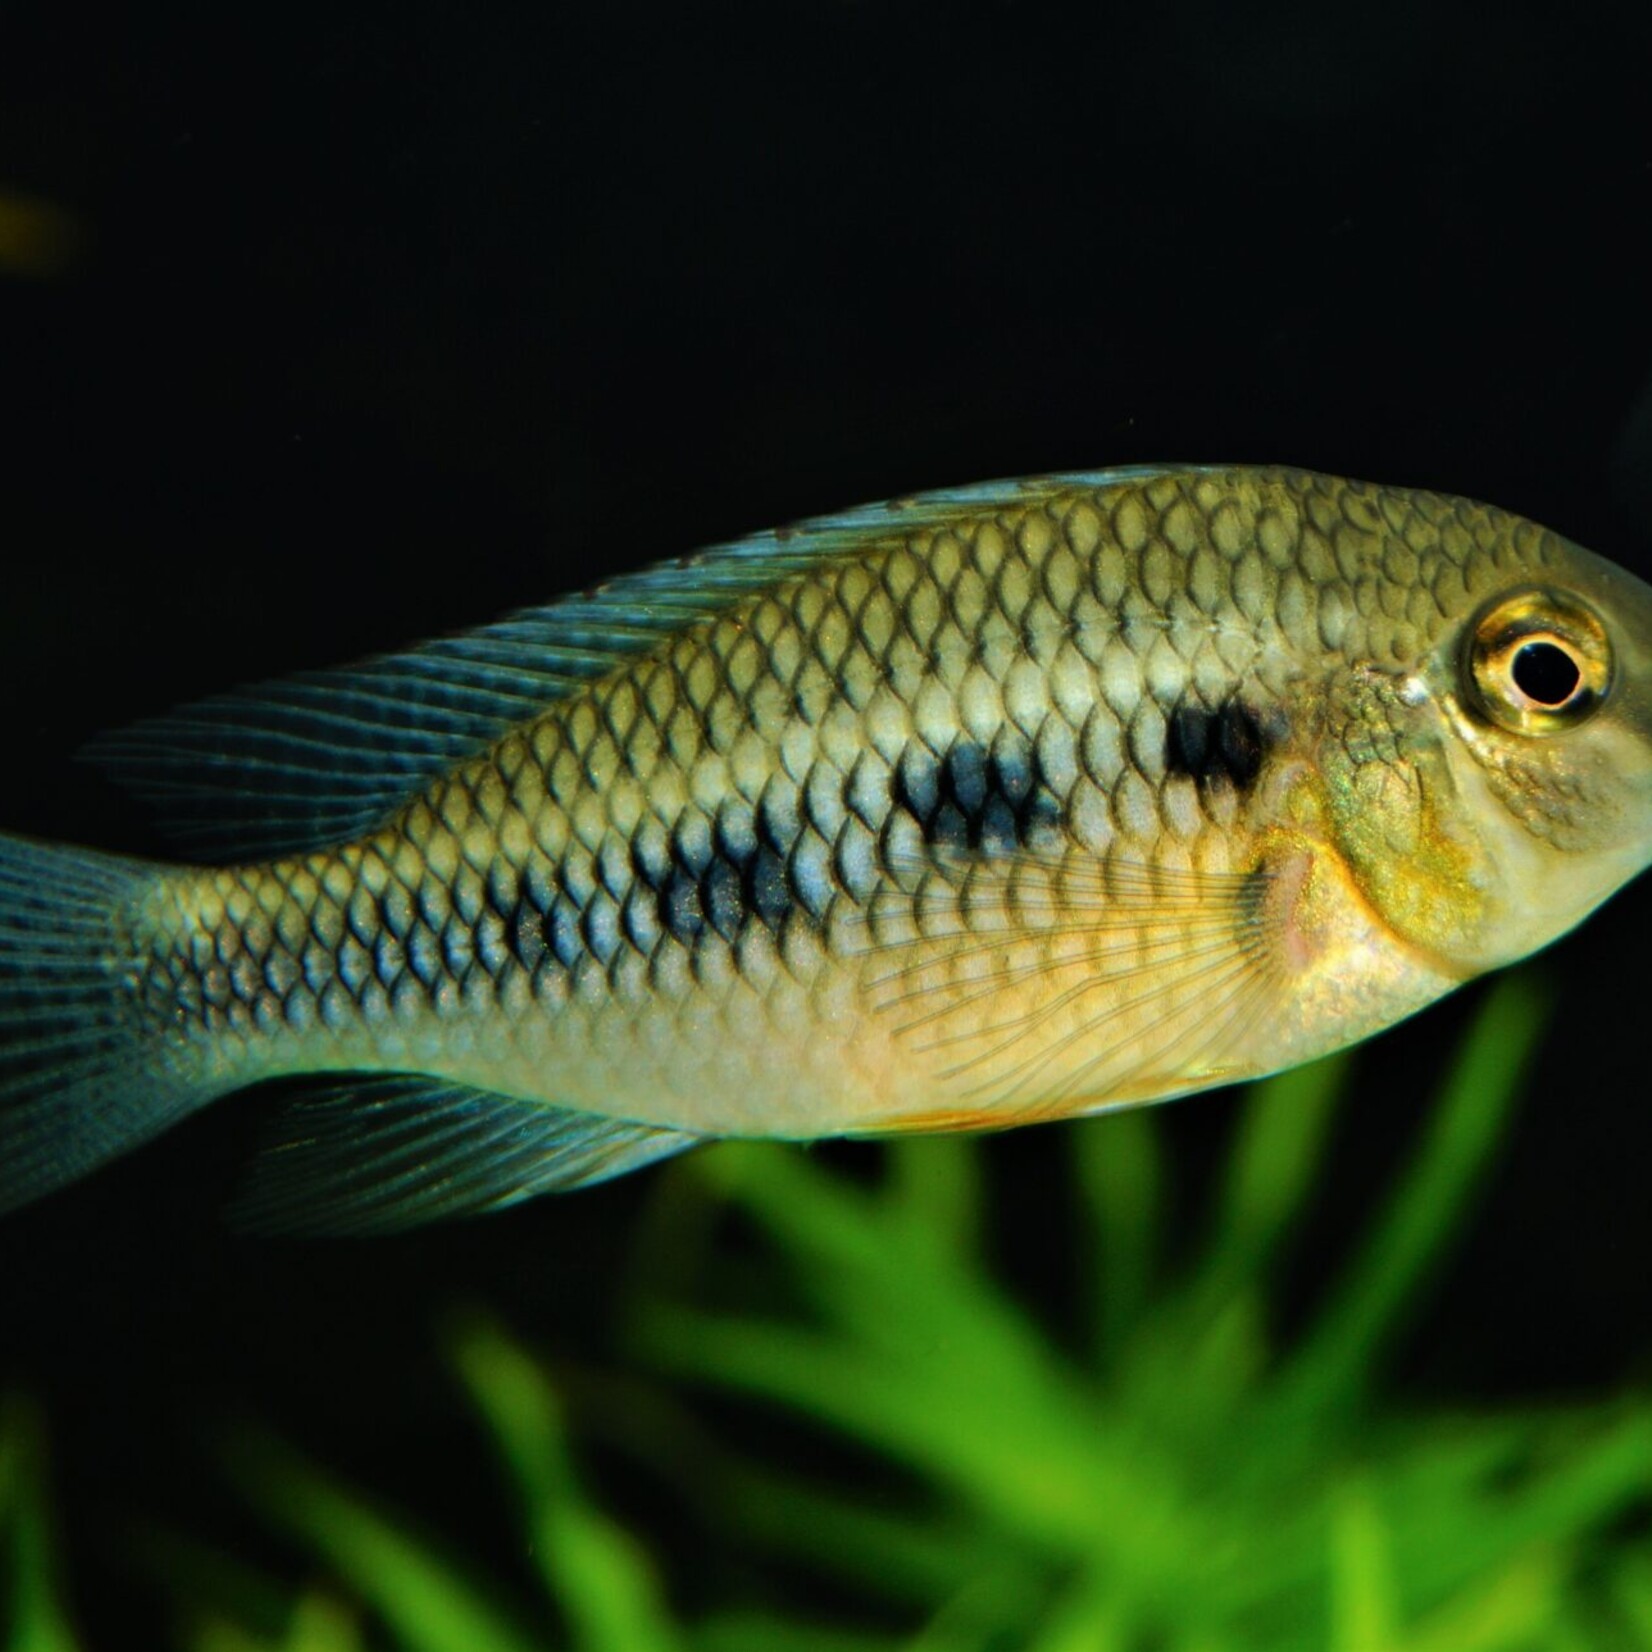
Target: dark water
[(380, 323)]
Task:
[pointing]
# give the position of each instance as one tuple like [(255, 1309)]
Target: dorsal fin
[(324, 756)]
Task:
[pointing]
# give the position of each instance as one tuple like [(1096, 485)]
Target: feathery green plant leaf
[(1386, 1279), (598, 1574), (421, 1595), (36, 1620), (1121, 1177)]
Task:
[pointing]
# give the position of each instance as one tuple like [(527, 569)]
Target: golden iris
[(1538, 662)]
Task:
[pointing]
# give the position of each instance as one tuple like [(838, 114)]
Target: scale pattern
[(1088, 680)]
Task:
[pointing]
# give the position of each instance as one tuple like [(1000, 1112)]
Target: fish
[(979, 807)]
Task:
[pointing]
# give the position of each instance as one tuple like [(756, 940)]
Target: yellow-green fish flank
[(1008, 803)]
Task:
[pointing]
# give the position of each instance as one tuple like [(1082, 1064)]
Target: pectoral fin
[(1045, 985)]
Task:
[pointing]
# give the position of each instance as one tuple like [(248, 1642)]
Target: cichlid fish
[(1008, 803)]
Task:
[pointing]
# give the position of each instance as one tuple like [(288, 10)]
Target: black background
[(383, 319)]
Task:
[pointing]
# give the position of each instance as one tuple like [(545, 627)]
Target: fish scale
[(1029, 799), (817, 654)]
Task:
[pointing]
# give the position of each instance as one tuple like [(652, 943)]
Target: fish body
[(1003, 804)]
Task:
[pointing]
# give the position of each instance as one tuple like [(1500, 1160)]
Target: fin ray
[(1052, 982), (79, 1083), (381, 1154), (305, 761)]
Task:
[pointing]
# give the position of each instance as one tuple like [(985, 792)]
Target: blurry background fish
[(374, 324)]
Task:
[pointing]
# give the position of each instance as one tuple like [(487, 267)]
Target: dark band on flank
[(1224, 746), (711, 878), (975, 798), (715, 878)]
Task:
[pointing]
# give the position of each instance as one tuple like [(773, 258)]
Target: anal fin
[(380, 1154)]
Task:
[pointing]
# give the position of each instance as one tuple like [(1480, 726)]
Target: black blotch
[(1010, 771), (972, 798), (1226, 746), (1187, 741), (764, 888), (721, 880), (721, 895), (947, 828), (521, 897), (680, 909), (965, 777), (736, 874), (1241, 743)]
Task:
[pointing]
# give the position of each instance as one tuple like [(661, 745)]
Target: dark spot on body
[(721, 897), (973, 798), (1239, 738), (680, 910), (1224, 746), (1187, 741), (965, 777), (718, 875), (763, 887)]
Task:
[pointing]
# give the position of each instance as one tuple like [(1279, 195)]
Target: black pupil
[(1546, 673)]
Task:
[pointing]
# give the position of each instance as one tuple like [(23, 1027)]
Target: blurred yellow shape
[(37, 238)]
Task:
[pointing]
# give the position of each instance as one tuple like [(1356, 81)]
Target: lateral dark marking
[(1226, 746), (680, 910), (964, 776), (1187, 741), (972, 798), (764, 889), (720, 877), (721, 894), (1239, 736)]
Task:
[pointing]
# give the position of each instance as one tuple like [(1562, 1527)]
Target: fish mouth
[(1627, 604)]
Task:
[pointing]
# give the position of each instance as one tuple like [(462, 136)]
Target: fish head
[(1551, 707), (1498, 787)]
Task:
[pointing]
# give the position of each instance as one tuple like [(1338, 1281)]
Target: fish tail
[(85, 1072)]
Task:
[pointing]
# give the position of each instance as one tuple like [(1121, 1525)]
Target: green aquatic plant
[(1194, 1480), (35, 1618), (406, 1588), (914, 1462)]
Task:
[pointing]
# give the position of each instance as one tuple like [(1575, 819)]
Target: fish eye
[(1546, 671), (1538, 662)]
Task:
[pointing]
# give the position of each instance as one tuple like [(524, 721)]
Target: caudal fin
[(81, 1076)]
